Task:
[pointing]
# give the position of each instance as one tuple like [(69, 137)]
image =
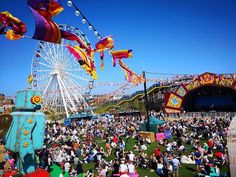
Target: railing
[(201, 114), (130, 97)]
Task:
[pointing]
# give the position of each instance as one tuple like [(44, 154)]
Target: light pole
[(146, 100)]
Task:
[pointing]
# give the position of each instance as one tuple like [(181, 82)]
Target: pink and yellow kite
[(106, 43), (17, 27), (83, 59), (119, 54)]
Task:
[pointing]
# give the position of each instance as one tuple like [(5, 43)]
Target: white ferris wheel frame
[(65, 85)]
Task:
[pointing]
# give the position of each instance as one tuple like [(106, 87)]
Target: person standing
[(176, 164), (166, 164), (198, 159)]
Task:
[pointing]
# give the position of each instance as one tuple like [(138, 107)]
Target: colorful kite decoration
[(103, 44), (17, 30), (48, 31), (85, 61), (82, 44), (119, 54), (43, 11), (70, 36), (131, 76)]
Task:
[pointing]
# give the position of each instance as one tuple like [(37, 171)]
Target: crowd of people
[(104, 141)]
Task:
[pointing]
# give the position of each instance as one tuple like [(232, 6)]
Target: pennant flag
[(131, 76), (85, 62), (43, 11), (17, 27), (119, 54)]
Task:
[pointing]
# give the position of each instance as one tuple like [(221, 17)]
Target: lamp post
[(146, 100)]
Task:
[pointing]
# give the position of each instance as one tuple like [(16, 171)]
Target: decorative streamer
[(70, 36), (43, 11), (131, 76), (17, 30), (102, 45), (119, 54), (85, 62)]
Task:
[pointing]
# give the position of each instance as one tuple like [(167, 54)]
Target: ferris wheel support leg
[(63, 98), (47, 85), (67, 94), (77, 98)]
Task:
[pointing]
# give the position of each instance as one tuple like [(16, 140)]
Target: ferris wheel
[(60, 77)]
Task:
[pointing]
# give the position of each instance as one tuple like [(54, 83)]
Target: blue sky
[(168, 36)]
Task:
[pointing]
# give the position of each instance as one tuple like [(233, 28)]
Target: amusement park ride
[(60, 77)]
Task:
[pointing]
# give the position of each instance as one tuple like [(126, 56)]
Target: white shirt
[(143, 147), (103, 172), (131, 157), (123, 168), (159, 166), (131, 168), (169, 147), (175, 162), (67, 166)]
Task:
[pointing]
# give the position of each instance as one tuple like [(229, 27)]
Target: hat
[(122, 160)]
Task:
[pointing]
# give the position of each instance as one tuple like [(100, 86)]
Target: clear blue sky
[(168, 36)]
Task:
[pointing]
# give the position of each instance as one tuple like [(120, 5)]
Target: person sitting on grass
[(62, 174), (123, 169), (153, 163), (115, 168), (102, 172), (157, 152), (90, 173), (187, 159), (160, 167), (131, 169)]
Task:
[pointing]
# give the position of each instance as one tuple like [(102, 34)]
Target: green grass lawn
[(186, 170)]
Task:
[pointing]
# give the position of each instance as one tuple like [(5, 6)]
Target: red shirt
[(157, 152), (210, 143), (115, 139)]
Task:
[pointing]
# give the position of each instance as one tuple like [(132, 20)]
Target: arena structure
[(193, 93), (207, 92)]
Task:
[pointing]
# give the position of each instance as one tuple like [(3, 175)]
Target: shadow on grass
[(190, 168)]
